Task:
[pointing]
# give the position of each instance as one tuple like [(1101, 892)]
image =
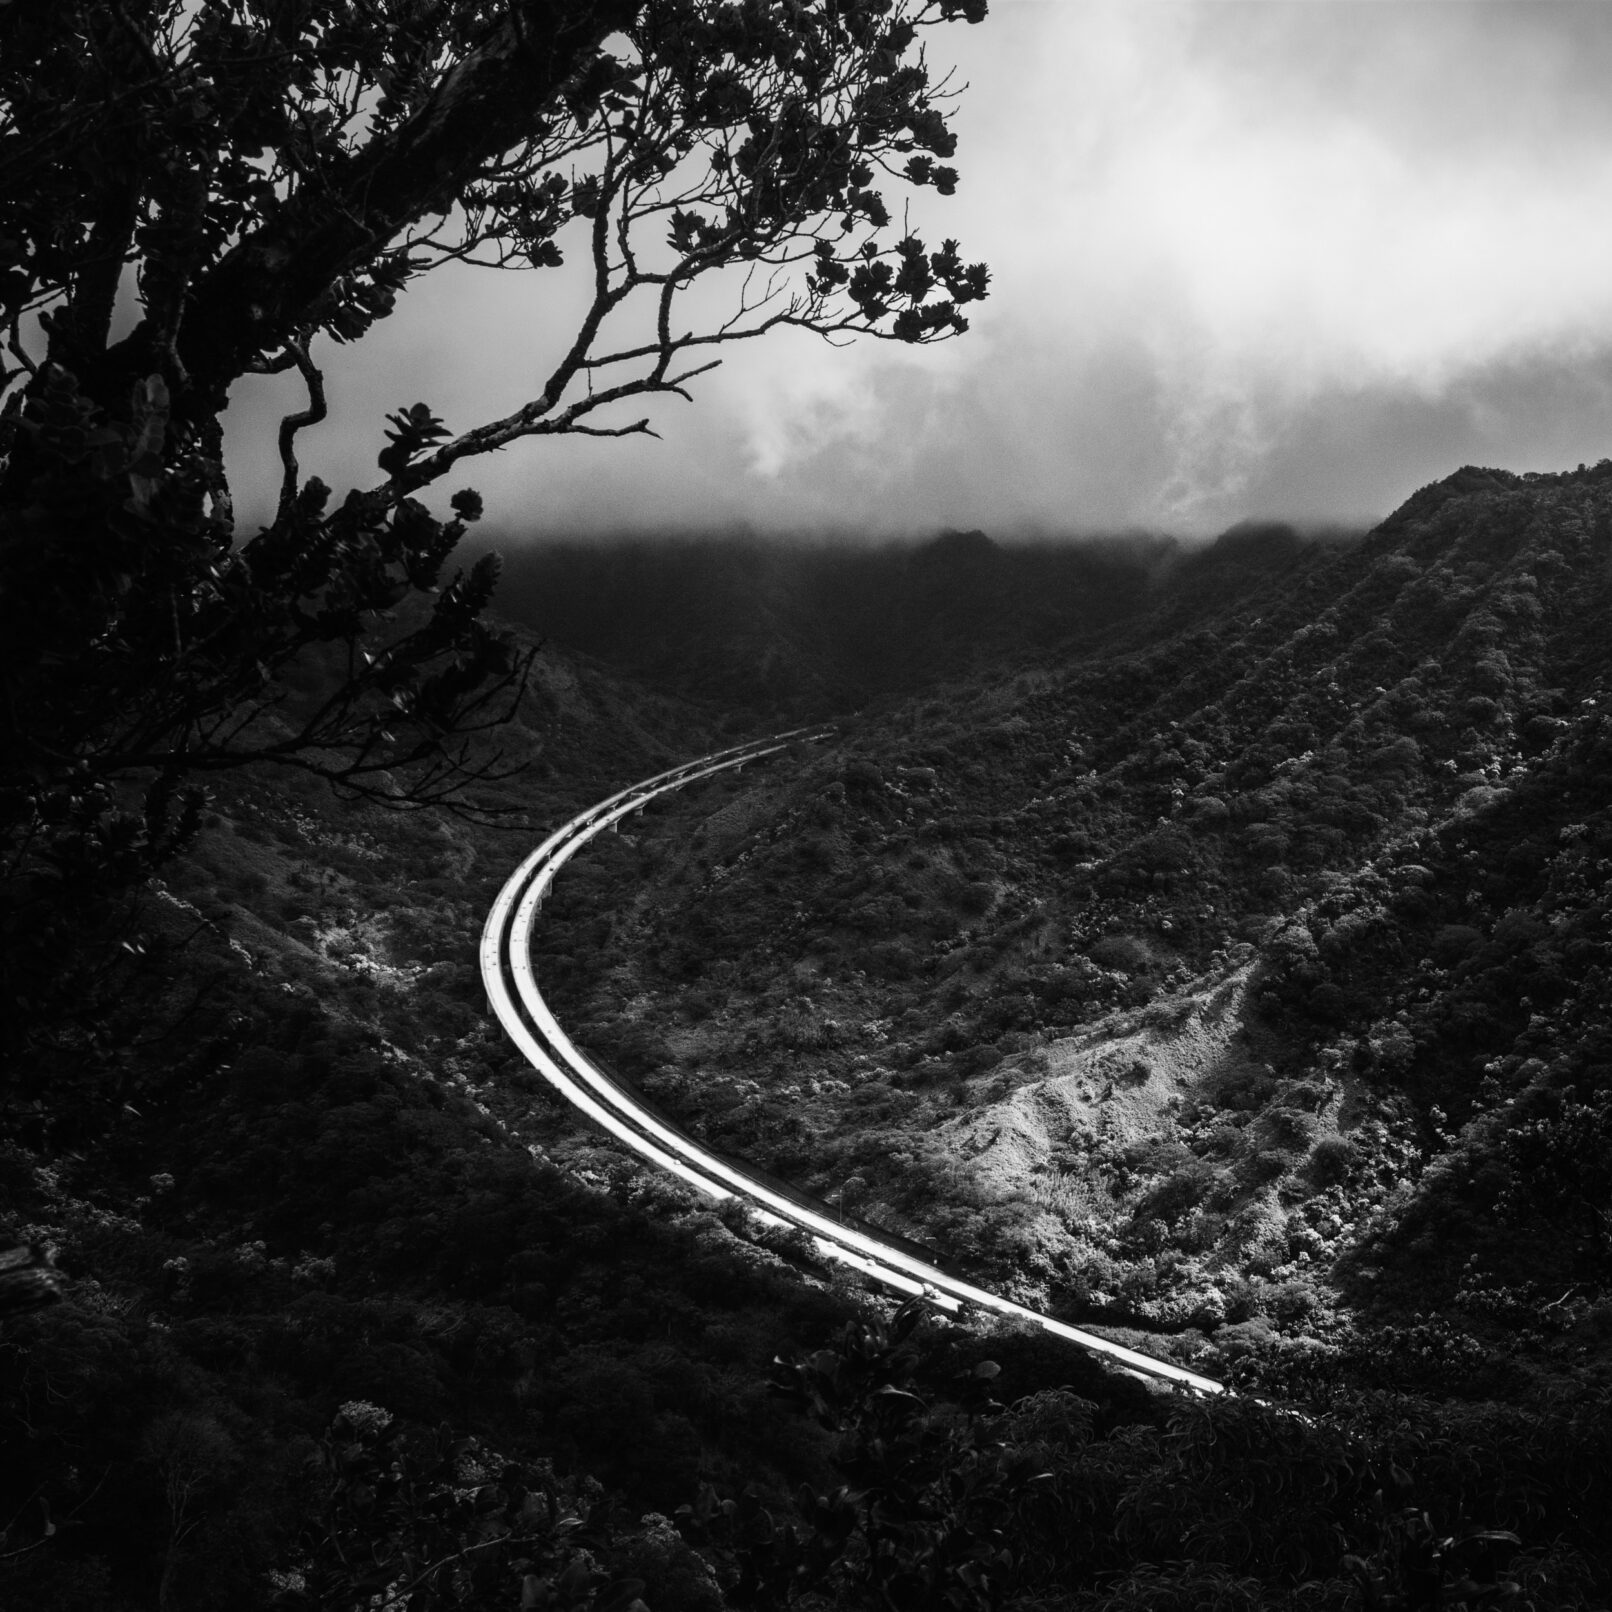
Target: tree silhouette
[(192, 191)]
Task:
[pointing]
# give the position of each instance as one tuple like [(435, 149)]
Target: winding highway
[(512, 989)]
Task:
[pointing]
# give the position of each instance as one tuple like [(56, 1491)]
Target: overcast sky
[(1251, 258)]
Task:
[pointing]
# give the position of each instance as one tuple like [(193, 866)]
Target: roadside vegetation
[(351, 1301), (1212, 946)]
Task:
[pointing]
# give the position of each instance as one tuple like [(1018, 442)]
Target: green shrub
[(1173, 1199), (1331, 1160), (1261, 1168), (1287, 1127), (1123, 953)]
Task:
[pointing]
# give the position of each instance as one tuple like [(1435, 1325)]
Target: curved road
[(506, 968)]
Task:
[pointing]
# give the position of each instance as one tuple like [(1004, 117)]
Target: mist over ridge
[(821, 624), (1100, 807)]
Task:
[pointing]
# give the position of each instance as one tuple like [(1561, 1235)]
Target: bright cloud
[(1249, 257)]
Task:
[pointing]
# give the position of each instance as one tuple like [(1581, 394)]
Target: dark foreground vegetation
[(353, 1308), (1210, 946)]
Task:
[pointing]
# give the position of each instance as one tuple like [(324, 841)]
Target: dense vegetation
[(240, 1044), (1210, 945), (1232, 973)]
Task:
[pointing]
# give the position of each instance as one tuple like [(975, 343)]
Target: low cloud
[(1249, 259)]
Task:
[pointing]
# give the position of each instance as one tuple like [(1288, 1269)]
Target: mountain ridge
[(1220, 952), (1218, 783)]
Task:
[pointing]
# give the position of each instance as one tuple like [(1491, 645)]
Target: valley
[(754, 858), (1134, 980), (619, 1108), (1220, 966)]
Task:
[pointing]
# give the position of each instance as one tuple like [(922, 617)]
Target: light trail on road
[(616, 1106)]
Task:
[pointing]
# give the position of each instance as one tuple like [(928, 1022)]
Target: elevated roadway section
[(615, 1105)]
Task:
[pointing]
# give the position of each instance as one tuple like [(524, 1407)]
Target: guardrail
[(614, 1104)]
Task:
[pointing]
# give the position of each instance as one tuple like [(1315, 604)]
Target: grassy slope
[(296, 1166), (1224, 985), (1181, 985)]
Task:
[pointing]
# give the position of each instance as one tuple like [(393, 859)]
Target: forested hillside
[(817, 630), (1211, 946), (1248, 974)]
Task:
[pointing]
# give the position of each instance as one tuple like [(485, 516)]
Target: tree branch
[(263, 289), (293, 423)]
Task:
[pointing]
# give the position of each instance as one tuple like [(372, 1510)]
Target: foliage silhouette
[(260, 182)]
